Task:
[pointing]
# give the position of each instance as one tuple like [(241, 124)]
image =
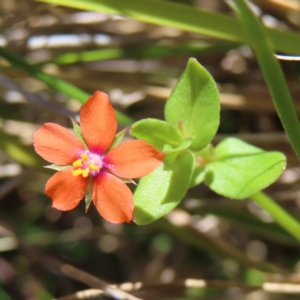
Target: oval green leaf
[(198, 175), (194, 105), (171, 154), (240, 169), (157, 133), (160, 191)]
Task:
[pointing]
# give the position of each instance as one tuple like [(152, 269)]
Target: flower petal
[(66, 190), (98, 122), (133, 159), (56, 144), (112, 198)]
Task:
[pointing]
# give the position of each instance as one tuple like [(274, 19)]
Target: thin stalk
[(264, 51), (283, 218)]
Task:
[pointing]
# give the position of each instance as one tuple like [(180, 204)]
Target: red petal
[(112, 198), (98, 122), (56, 144), (66, 190), (133, 159)]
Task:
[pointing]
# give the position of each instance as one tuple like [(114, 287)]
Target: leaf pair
[(233, 169), (192, 118)]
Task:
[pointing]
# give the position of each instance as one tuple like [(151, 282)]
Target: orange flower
[(92, 169)]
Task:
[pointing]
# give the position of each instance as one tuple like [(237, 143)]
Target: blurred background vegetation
[(51, 59)]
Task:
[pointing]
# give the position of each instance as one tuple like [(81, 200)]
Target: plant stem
[(283, 218)]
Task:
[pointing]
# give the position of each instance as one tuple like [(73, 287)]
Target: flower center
[(89, 164)]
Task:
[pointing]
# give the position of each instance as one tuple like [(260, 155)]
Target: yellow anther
[(93, 167), (84, 157), (77, 172), (77, 163), (85, 172)]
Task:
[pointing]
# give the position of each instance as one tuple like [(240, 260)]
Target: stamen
[(93, 167), (87, 165), (77, 163), (85, 172), (77, 172), (84, 157)]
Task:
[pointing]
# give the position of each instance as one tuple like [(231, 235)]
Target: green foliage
[(172, 153), (148, 51), (202, 157), (159, 192), (23, 154), (233, 169), (198, 175), (157, 133), (255, 277), (263, 48), (240, 169), (186, 18), (55, 83), (192, 114), (194, 105)]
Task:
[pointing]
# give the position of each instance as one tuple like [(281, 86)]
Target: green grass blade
[(23, 154), (282, 217), (263, 48), (142, 52), (243, 219), (183, 17), (212, 245), (54, 82)]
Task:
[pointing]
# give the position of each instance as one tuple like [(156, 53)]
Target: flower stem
[(283, 218)]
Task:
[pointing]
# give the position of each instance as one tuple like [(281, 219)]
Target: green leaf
[(160, 191), (183, 146), (201, 159), (194, 105), (232, 147), (198, 175), (78, 133), (172, 153), (240, 169), (157, 133)]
